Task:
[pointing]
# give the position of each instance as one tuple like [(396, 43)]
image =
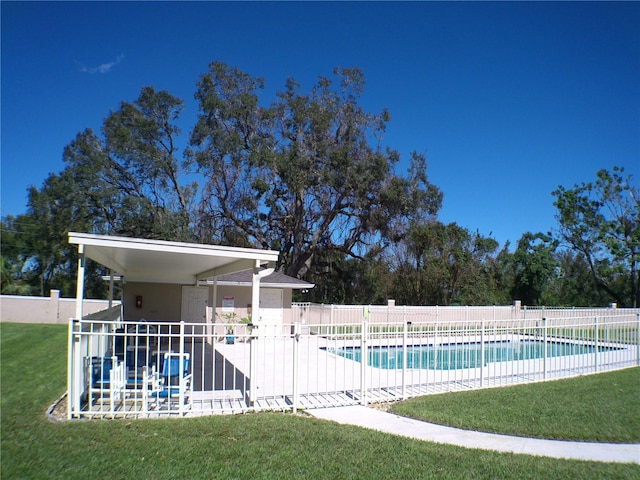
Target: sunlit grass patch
[(599, 408)]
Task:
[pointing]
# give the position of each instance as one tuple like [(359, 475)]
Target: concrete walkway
[(407, 427)]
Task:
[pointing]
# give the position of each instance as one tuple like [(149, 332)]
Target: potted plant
[(229, 319), (247, 321)]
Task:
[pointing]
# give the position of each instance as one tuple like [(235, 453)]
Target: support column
[(80, 282), (255, 321), (74, 367), (110, 289), (255, 295), (215, 299)]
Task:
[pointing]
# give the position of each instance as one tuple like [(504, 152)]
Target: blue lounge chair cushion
[(100, 368)]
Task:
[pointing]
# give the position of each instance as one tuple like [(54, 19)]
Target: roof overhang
[(159, 261), (270, 280), (268, 284)]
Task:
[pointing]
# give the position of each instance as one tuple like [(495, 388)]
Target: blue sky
[(506, 100)]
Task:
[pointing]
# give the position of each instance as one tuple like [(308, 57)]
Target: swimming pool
[(463, 355)]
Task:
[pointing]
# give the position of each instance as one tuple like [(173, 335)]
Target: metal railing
[(328, 314), (119, 369)]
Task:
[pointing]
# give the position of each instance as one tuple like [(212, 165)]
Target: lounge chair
[(107, 378), (174, 382)]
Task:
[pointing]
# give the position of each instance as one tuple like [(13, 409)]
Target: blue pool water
[(462, 355)]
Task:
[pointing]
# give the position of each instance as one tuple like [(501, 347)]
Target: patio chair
[(174, 385), (100, 372), (139, 363), (107, 378)]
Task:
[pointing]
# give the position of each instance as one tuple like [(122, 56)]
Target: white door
[(271, 310), (194, 306)]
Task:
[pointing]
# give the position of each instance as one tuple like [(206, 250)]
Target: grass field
[(597, 408), (254, 446)]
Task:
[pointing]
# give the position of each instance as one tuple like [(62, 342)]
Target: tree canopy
[(600, 220), (306, 175)]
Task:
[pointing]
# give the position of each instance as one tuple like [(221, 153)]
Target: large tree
[(438, 264), (573, 284), (600, 220), (305, 175), (130, 175), (534, 267), (126, 181), (18, 278), (36, 254)]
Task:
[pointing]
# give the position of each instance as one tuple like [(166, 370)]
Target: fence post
[(544, 343), (181, 366), (364, 357), (482, 347), (70, 371), (296, 358), (331, 330), (405, 327), (595, 343), (638, 340), (253, 339)]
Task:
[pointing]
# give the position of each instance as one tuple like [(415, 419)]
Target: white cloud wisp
[(103, 67)]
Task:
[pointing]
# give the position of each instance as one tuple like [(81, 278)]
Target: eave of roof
[(159, 261)]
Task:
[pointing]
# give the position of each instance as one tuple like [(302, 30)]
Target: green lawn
[(267, 445), (599, 408)]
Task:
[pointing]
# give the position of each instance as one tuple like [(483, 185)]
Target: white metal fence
[(325, 314), (119, 369)]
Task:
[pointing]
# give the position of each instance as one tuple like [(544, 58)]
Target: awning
[(142, 260)]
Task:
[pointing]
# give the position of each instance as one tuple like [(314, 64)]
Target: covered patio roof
[(142, 260)]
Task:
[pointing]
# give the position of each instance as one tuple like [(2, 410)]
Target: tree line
[(308, 174)]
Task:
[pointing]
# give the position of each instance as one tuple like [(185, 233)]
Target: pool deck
[(390, 423)]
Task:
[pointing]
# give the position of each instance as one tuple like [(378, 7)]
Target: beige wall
[(163, 302), (242, 299), (160, 301), (52, 309)]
